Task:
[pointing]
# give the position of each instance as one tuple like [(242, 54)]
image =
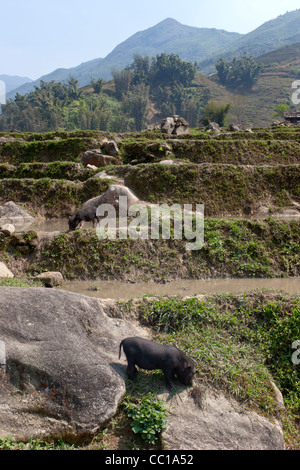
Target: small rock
[(166, 162), (92, 167), (4, 271), (213, 126), (110, 147), (96, 158), (8, 229), (10, 213), (278, 396), (234, 127), (51, 278)]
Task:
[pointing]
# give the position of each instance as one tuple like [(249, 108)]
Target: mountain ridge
[(167, 36), (13, 81), (204, 45)]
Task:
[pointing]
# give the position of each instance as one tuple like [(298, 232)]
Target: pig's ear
[(186, 365)]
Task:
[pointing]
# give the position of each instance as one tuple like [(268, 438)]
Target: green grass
[(232, 248), (239, 343)]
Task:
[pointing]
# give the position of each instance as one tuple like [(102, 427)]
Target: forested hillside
[(255, 93)]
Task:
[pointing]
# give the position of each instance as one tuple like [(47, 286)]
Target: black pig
[(149, 355), (86, 214)]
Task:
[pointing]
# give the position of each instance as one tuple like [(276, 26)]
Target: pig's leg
[(168, 376), (131, 370)]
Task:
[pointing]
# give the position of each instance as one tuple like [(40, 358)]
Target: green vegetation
[(240, 73), (51, 197), (233, 248), (34, 444), (215, 113), (153, 88), (148, 416), (240, 343)]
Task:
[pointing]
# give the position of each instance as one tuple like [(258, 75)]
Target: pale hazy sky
[(37, 37)]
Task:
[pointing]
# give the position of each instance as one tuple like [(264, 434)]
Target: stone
[(62, 378), (111, 196), (92, 167), (8, 229), (174, 125), (96, 158), (214, 127), (278, 396), (4, 271), (51, 278), (11, 213), (167, 125), (234, 127), (110, 147), (166, 162), (213, 422)]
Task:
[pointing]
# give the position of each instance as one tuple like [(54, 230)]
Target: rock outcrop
[(96, 158), (60, 350), (174, 125), (214, 422), (60, 375), (112, 195), (11, 213)]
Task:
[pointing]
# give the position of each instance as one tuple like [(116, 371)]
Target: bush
[(215, 112)]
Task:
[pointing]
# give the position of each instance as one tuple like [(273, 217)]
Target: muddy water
[(50, 225), (61, 224), (124, 290)]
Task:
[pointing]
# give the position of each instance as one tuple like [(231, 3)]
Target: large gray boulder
[(60, 353), (11, 213), (215, 422), (112, 195)]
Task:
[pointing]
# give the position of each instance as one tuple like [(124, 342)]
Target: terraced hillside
[(249, 184)]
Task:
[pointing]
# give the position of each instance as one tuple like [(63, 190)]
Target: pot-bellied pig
[(86, 214), (149, 355)]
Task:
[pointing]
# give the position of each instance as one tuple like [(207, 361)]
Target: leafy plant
[(148, 417)]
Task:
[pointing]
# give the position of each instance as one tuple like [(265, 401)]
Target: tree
[(241, 73), (122, 80), (280, 109), (97, 85), (215, 112), (73, 90), (238, 108), (171, 69), (136, 104)]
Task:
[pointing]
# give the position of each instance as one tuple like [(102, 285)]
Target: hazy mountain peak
[(204, 45)]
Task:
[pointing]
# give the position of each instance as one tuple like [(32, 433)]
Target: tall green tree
[(170, 69), (136, 104), (240, 73)]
